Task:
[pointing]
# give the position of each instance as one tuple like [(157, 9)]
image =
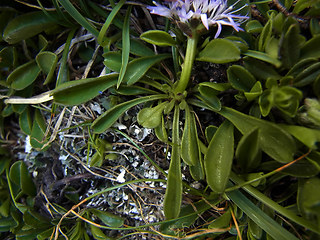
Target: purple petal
[(204, 20)]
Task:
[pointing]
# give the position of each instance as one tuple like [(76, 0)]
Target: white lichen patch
[(27, 146)]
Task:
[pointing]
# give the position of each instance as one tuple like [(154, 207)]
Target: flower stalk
[(195, 17), (188, 64)]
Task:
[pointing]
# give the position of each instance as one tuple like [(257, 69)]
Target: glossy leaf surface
[(189, 142), (248, 151), (26, 26), (107, 218), (219, 157), (158, 37), (271, 137), (109, 117), (173, 196), (219, 51), (80, 91), (138, 67), (308, 136), (24, 75), (151, 117), (47, 61), (240, 78), (269, 225)]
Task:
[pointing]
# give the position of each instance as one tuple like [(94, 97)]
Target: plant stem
[(188, 63)]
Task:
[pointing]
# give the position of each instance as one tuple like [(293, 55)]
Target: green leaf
[(308, 75), (138, 67), (300, 66), (263, 57), (24, 75), (107, 218), (151, 117), (265, 35), (63, 73), (219, 51), (221, 222), (134, 90), (303, 168), (26, 182), (74, 13), (303, 4), (219, 156), (25, 121), (101, 36), (8, 57), (97, 233), (105, 121), (210, 131), (216, 88), (287, 99), (25, 26), (173, 195), (35, 220), (311, 49), (308, 136), (187, 216), (5, 208), (308, 198), (158, 37), (46, 234), (4, 163), (37, 138), (240, 78), (266, 102), (47, 62), (126, 46), (7, 223), (271, 136), (138, 48), (269, 225), (272, 48), (5, 17), (314, 27), (20, 176), (255, 91), (316, 88), (14, 173), (197, 171), (207, 96), (248, 151), (190, 151), (112, 60), (261, 197), (260, 70), (161, 131), (290, 46), (79, 91), (253, 26)]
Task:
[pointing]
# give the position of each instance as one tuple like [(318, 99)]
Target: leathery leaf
[(80, 91), (248, 151), (273, 140), (24, 75), (151, 117), (25, 26), (219, 156), (173, 196), (108, 118), (161, 131), (189, 143)]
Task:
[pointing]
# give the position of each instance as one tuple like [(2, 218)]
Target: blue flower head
[(207, 12)]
